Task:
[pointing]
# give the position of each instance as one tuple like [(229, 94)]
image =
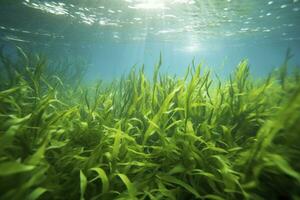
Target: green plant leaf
[(102, 175), (14, 167), (83, 185)]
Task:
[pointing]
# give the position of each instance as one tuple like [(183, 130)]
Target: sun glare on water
[(157, 4), (149, 5)]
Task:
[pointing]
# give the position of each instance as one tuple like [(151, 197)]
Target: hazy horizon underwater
[(149, 99)]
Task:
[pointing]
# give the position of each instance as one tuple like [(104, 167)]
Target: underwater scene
[(149, 99)]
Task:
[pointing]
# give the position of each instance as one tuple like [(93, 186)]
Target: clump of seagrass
[(166, 138)]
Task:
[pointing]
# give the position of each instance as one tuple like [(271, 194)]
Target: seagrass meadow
[(195, 137)]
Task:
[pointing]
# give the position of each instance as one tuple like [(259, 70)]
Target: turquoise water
[(112, 36)]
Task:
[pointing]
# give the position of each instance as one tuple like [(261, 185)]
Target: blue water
[(113, 60), (112, 36)]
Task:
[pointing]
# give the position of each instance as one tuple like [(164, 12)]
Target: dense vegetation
[(165, 138)]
